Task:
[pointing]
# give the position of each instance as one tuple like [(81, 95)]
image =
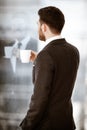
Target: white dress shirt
[(53, 38)]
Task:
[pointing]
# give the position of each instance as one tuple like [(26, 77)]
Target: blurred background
[(18, 23)]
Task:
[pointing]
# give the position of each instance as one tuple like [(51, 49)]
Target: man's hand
[(33, 56)]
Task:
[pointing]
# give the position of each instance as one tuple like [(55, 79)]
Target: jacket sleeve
[(42, 88)]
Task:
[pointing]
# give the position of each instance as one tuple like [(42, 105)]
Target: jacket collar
[(56, 42)]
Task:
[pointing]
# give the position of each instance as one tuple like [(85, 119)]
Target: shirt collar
[(53, 38)]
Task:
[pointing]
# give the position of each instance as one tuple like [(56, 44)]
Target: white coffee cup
[(25, 56)]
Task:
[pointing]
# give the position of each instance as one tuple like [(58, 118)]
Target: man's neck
[(54, 37)]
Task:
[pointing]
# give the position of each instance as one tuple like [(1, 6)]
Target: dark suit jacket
[(54, 75)]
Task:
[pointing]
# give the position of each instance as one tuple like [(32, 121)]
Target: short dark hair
[(53, 17)]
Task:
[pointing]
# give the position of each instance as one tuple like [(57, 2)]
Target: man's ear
[(44, 27)]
